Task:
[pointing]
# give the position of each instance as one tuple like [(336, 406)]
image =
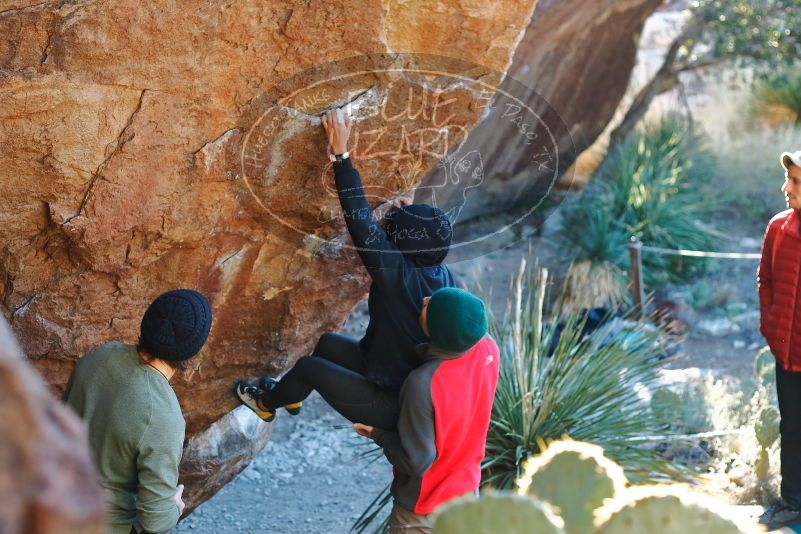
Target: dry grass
[(590, 285), (732, 408)]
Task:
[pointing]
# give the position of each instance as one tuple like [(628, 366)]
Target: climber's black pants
[(788, 388), (336, 369)]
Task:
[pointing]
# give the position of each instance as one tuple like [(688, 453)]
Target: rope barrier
[(635, 254), (704, 254), (700, 435)]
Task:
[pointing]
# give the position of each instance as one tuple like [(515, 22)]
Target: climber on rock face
[(136, 428), (446, 405), (362, 379)]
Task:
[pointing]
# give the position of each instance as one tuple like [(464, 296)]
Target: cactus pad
[(575, 478), (767, 427), (667, 510), (762, 464), (495, 513), (765, 367)]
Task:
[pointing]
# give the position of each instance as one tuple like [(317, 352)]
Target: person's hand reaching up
[(337, 125)]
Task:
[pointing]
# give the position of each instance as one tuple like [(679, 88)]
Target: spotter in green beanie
[(456, 319)]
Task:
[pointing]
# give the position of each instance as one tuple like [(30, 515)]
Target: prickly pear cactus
[(767, 427), (666, 405), (496, 513), (762, 464), (765, 367), (575, 478), (666, 510)]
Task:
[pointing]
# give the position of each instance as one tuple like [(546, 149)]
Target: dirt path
[(310, 478)]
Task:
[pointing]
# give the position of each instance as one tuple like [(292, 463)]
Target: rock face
[(213, 456), (151, 146), (47, 482), (572, 68)]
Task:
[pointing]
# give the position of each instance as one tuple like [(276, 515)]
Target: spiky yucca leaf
[(587, 390), (651, 186)]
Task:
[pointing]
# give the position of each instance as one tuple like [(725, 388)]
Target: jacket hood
[(422, 232)]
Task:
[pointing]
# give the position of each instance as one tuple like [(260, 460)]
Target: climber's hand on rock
[(179, 502), (363, 430), (337, 125), (401, 201)]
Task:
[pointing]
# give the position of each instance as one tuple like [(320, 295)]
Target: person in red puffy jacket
[(778, 280)]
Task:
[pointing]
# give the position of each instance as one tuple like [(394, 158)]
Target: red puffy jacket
[(778, 280)]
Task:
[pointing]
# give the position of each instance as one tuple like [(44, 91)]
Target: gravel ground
[(310, 478)]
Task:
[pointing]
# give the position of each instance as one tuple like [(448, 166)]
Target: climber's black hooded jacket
[(404, 260)]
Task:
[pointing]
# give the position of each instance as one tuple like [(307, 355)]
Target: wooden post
[(637, 289)]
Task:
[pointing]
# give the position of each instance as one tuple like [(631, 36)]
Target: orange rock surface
[(146, 146)]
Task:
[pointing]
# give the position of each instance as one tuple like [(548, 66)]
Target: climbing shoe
[(294, 408), (249, 395), (266, 383)]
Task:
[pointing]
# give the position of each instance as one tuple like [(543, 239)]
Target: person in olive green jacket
[(135, 425)]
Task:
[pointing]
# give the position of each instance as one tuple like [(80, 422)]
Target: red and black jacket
[(446, 405), (778, 279)]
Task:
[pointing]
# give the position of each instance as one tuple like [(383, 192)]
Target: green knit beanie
[(456, 319)]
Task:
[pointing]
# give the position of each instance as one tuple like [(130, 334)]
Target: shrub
[(652, 185), (749, 174), (735, 421), (776, 97), (587, 389)]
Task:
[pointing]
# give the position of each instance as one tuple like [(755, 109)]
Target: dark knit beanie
[(456, 319), (421, 232), (176, 325)]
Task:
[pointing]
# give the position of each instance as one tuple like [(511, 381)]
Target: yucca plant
[(651, 186), (594, 279), (585, 388), (599, 237)]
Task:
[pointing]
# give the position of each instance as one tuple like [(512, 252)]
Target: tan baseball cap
[(791, 158)]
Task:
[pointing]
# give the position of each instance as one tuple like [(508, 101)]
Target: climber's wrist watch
[(337, 158)]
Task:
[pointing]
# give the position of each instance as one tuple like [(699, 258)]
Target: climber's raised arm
[(375, 249)]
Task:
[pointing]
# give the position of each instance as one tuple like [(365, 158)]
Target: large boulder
[(148, 146), (571, 69), (47, 482)]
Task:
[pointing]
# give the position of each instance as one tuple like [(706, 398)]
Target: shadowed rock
[(571, 70)]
